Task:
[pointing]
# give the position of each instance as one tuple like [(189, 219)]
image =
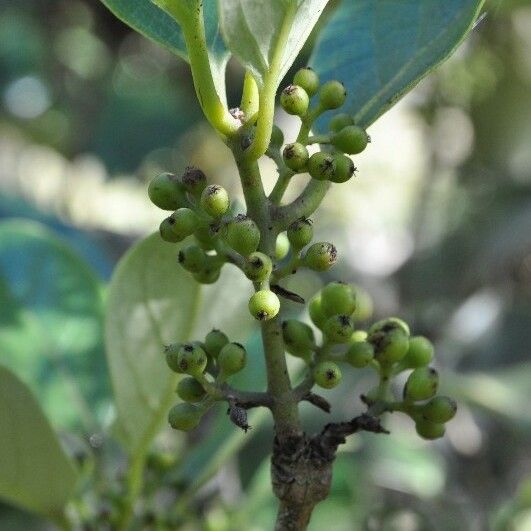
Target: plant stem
[(305, 205), (250, 97)]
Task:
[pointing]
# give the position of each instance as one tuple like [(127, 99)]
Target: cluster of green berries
[(344, 137), (207, 365)]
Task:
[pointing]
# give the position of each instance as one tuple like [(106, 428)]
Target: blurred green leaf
[(35, 473), (380, 49)]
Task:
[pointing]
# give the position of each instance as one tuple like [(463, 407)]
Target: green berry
[(364, 305), (258, 267), (232, 358), (316, 312), (332, 95), (298, 338), (192, 359), (308, 80), (215, 200), (264, 305), (360, 354), (421, 384), (194, 181), (277, 137), (321, 166), (389, 346), (185, 222), (339, 121), (343, 168), (190, 390), (281, 246), (184, 417), (439, 409), (295, 156), (351, 139), (215, 340), (327, 374), (210, 273), (192, 258), (338, 328), (242, 235), (419, 354), (320, 256), (166, 192), (337, 298), (358, 335), (172, 356), (385, 325), (429, 430), (300, 233), (166, 231), (294, 100), (205, 237)]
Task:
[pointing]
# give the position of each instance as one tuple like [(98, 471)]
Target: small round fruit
[(321, 166), (215, 200), (422, 384), (316, 312), (308, 80), (205, 237), (332, 95), (339, 121), (327, 374), (185, 222), (192, 258), (358, 335), (337, 298), (172, 356), (389, 346), (242, 235), (338, 328), (359, 354), (294, 100), (192, 359), (166, 231), (190, 390), (281, 246), (264, 305), (166, 191), (232, 358), (258, 267), (439, 409), (320, 256), (298, 338), (215, 340), (351, 139), (429, 430), (300, 233), (419, 354), (184, 417), (344, 168), (385, 325), (277, 137), (295, 156), (210, 273), (194, 181)]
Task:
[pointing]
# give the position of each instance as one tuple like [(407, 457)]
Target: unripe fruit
[(343, 168), (184, 417), (242, 235), (192, 258), (385, 325), (294, 100), (421, 384), (429, 430), (300, 233), (166, 192), (364, 304), (358, 335), (332, 95), (308, 80), (351, 139), (192, 359), (232, 358), (321, 166), (338, 328), (360, 354), (439, 409), (316, 312), (419, 354), (277, 137), (295, 156), (205, 238), (210, 273), (339, 121), (337, 298), (215, 340), (281, 246), (215, 200), (389, 346), (194, 180), (264, 305), (320, 256), (298, 338), (327, 374), (172, 356), (166, 231), (258, 267), (185, 222), (190, 390)]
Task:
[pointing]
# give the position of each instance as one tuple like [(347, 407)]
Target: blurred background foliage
[(437, 227)]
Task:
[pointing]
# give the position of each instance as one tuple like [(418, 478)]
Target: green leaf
[(253, 31), (35, 473), (380, 49), (153, 302)]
